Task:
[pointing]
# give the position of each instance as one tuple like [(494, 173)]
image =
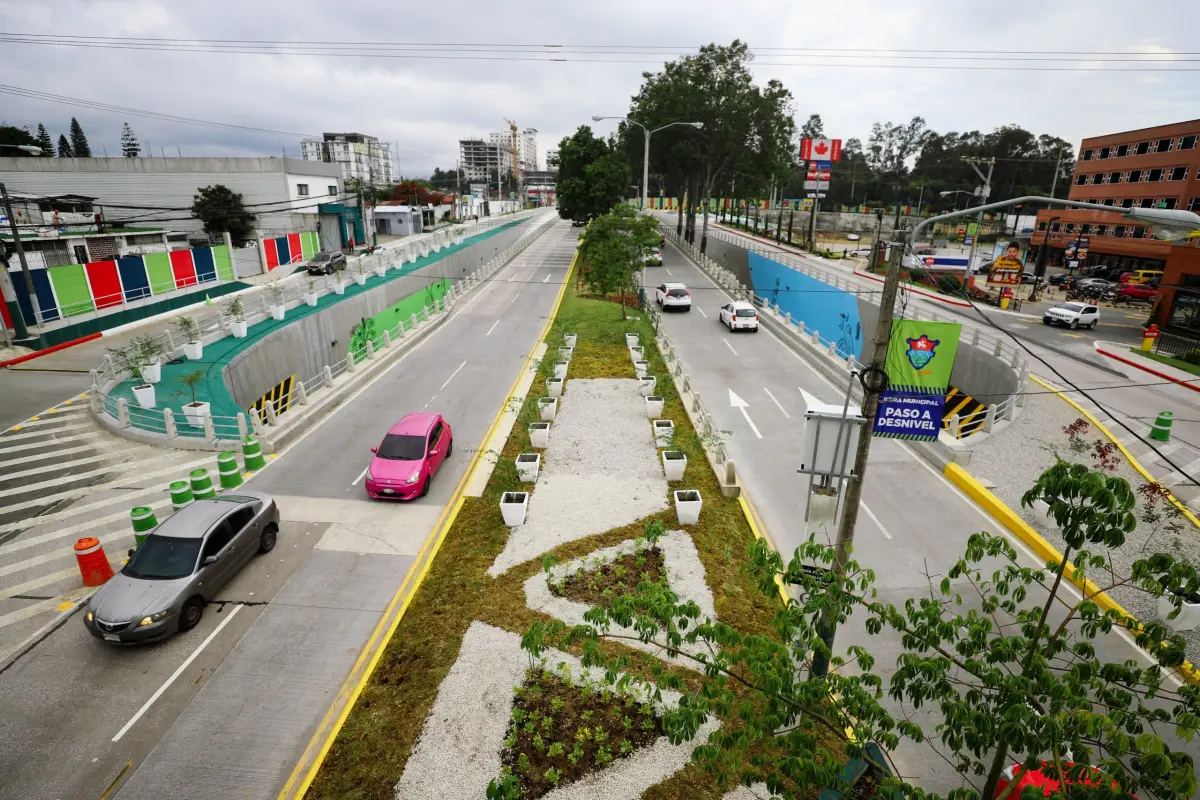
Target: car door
[(217, 543), (725, 314), (1091, 314), (660, 293), (247, 528), (435, 449)]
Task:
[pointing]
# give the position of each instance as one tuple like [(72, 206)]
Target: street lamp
[(957, 192), (646, 150), (28, 148)]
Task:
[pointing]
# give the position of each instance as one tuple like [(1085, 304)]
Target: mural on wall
[(832, 312), (290, 248), (373, 327)]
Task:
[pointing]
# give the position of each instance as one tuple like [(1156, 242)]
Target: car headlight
[(153, 618), (90, 615), (370, 477), (416, 476)]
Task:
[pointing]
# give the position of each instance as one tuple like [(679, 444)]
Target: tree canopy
[(614, 247), (130, 148), (79, 143), (592, 176), (221, 210)]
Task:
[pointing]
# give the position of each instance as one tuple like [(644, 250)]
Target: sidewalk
[(1138, 366)]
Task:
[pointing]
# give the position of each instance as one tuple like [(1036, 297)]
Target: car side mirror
[(131, 551), (374, 449), (433, 452), (209, 560)]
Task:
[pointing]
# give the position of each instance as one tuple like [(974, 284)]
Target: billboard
[(920, 358), (1007, 264)]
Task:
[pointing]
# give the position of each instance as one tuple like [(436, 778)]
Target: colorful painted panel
[(309, 244), (830, 311), (134, 281), (45, 296), (282, 253), (224, 263), (295, 248), (71, 288), (182, 268), (104, 283), (159, 272), (271, 253), (206, 268)]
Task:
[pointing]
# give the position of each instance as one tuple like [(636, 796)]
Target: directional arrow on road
[(741, 405)]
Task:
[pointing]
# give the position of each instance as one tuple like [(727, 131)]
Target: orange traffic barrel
[(93, 563)]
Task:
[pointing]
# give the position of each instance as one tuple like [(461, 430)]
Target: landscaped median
[(454, 700)]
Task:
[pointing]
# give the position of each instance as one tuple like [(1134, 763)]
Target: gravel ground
[(758, 791), (459, 748), (685, 574), (1015, 467), (600, 472)]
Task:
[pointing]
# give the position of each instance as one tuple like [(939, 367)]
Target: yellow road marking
[(33, 419), (1072, 335), (64, 606), (15, 428)]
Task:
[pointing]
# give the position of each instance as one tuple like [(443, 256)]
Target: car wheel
[(1045, 322), (190, 616), (270, 535), (1092, 327), (425, 488), (1074, 324), (450, 448)]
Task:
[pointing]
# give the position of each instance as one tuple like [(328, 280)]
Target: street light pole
[(646, 146), (984, 195)]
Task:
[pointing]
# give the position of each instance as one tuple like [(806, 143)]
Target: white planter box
[(311, 299), (152, 373), (636, 354), (539, 435), (631, 340), (548, 407), (1188, 619), (193, 350), (687, 506), (646, 385), (554, 387), (528, 466), (664, 432), (513, 506), (674, 463), (565, 353), (569, 338), (237, 327), (560, 369), (278, 312), (195, 413), (144, 395), (640, 367), (380, 270), (339, 287), (654, 406), (360, 279)]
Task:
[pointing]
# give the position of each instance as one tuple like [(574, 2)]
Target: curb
[(1185, 384), (909, 288), (1019, 528), (52, 349)]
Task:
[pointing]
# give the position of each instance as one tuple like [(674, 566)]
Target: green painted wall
[(158, 267), (389, 318), (308, 243), (224, 263), (71, 289)]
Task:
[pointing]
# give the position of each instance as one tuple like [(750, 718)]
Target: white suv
[(1073, 315), (739, 316), (673, 295)]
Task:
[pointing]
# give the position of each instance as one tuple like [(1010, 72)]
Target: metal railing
[(1175, 346)]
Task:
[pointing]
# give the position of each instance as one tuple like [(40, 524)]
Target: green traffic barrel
[(202, 486), (227, 466), (1162, 426), (252, 455), (143, 522), (181, 494)]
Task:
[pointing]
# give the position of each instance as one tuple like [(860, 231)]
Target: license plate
[(389, 491), (111, 637)]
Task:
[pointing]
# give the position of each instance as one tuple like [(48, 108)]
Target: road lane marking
[(874, 519), (460, 366), (360, 475), (727, 344), (672, 274), (494, 324), (1072, 335), (776, 402), (146, 707), (740, 404), (547, 278), (701, 310), (515, 296)]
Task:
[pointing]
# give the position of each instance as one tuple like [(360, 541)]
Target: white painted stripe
[(874, 519), (42, 607), (54, 455), (701, 310), (362, 474), (174, 675), (460, 366), (126, 470), (56, 414), (672, 274), (112, 455), (45, 426), (515, 296), (776, 402), (113, 540), (45, 580), (727, 344), (47, 442), (47, 499), (26, 542), (494, 324), (547, 278)]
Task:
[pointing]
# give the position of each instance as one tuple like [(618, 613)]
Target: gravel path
[(600, 472), (1015, 460), (459, 748), (685, 575)]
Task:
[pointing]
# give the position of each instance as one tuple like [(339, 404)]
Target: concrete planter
[(278, 312), (687, 506), (636, 354), (528, 466), (674, 463), (560, 369), (339, 287), (237, 327), (554, 387), (311, 299), (195, 413), (144, 395), (360, 278), (1189, 615), (548, 406), (664, 432), (152, 373), (513, 506), (380, 269), (569, 338), (654, 406), (640, 368), (539, 435), (631, 340), (193, 350), (646, 385), (565, 353)]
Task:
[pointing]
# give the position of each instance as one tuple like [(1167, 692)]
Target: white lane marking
[(154, 697), (361, 475), (740, 404), (547, 278), (727, 344), (776, 402), (443, 386), (494, 324), (874, 519), (515, 296), (669, 272), (701, 310)]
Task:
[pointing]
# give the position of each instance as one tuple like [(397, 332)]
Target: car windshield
[(1076, 307), (677, 293), (162, 558), (747, 312), (321, 257), (398, 447)]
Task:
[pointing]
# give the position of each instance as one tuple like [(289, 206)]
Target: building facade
[(527, 155), (552, 161), (484, 163), (1148, 168), (361, 157)]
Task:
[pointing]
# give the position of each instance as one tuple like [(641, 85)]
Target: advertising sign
[(919, 360), (968, 239), (816, 186), (821, 149), (973, 229), (817, 174)]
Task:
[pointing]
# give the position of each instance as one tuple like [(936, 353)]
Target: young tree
[(592, 176), (44, 141), (221, 210), (130, 148), (1013, 663), (614, 248), (79, 142), (64, 147)]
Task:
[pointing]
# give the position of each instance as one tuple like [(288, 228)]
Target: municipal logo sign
[(921, 351)]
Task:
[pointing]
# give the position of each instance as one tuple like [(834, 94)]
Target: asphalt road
[(913, 523), (249, 690), (24, 392)]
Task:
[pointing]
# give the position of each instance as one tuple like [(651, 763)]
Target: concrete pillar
[(272, 418), (833, 350), (370, 349), (955, 426), (351, 364), (975, 337), (301, 393), (387, 340), (989, 418), (210, 433), (169, 423), (425, 314), (262, 253), (996, 349), (257, 423), (400, 329), (730, 473), (1016, 359), (123, 412), (327, 374), (413, 322), (170, 342), (243, 429)]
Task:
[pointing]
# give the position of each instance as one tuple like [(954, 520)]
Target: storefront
[(1178, 306)]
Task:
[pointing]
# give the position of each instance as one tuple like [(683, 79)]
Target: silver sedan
[(180, 567)]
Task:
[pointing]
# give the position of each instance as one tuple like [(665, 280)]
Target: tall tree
[(813, 128), (614, 249), (44, 141), (18, 137), (221, 210), (79, 142), (64, 147), (592, 176), (130, 148)]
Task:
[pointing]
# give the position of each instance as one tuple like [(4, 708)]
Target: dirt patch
[(596, 587)]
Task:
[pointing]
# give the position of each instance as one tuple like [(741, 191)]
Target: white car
[(654, 258), (1073, 315), (673, 295), (739, 316)]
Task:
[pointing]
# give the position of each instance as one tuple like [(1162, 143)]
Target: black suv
[(325, 263)]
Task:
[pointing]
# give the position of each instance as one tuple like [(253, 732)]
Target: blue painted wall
[(831, 311)]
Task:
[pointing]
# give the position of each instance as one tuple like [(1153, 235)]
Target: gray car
[(181, 566)]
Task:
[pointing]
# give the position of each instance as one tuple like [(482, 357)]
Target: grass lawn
[(373, 746), (1177, 363)]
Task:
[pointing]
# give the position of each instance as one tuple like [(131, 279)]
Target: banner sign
[(821, 149), (816, 186), (919, 360)]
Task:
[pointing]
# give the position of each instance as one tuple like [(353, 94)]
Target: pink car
[(409, 455)]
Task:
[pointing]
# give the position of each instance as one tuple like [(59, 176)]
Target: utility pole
[(984, 194), (1057, 167), (12, 223), (872, 382)]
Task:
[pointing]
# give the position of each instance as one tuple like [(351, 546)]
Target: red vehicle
[(1136, 291), (406, 460), (1037, 779)]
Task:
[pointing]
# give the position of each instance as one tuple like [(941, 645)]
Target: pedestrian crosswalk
[(64, 477)]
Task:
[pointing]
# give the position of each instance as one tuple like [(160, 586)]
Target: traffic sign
[(929, 261), (821, 149)]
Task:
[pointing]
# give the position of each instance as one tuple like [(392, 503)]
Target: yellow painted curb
[(752, 520), (1133, 462), (1011, 520), (327, 733)]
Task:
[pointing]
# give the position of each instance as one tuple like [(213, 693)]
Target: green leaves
[(592, 177)]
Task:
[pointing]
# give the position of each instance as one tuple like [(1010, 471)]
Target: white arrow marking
[(741, 405), (547, 278)]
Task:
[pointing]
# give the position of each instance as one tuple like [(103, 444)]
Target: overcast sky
[(427, 104)]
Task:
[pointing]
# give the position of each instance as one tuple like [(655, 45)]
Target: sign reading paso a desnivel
[(919, 360)]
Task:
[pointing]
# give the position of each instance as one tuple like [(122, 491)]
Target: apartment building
[(527, 156), (360, 156), (480, 160)]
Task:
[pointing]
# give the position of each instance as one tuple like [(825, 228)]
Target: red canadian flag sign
[(821, 149)]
